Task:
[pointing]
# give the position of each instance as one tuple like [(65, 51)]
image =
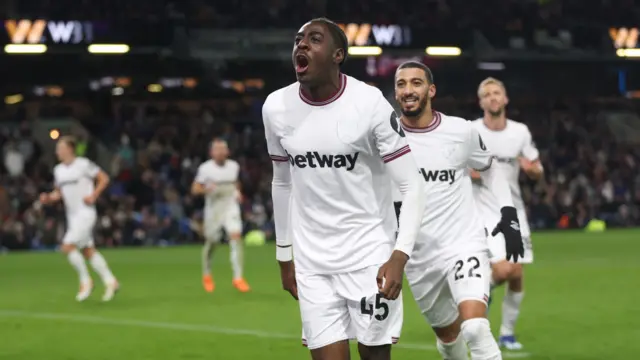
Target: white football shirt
[(506, 146), (341, 215), (444, 151), (224, 177), (76, 181)]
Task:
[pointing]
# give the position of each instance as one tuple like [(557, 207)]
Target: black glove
[(510, 228)]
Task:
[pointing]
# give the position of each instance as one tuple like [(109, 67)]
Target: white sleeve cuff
[(284, 253)]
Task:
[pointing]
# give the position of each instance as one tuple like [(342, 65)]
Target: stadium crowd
[(155, 149)]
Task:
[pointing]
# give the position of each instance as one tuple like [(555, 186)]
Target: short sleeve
[(479, 157), (91, 169), (275, 149), (201, 176), (529, 150), (388, 135)]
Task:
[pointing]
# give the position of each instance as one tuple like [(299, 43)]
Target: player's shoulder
[(279, 100), (454, 124), (517, 127), (206, 164), (82, 161), (232, 163)]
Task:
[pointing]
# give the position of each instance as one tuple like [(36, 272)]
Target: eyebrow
[(311, 32)]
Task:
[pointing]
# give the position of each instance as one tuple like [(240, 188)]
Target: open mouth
[(410, 101), (302, 63)]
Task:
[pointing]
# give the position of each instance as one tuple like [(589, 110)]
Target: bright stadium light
[(364, 50), (25, 48), (628, 52), (443, 51), (108, 48), (13, 99)]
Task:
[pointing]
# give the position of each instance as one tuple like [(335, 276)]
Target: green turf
[(580, 304)]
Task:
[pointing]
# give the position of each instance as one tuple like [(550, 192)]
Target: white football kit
[(333, 162), (506, 146), (75, 182), (450, 261), (222, 209)]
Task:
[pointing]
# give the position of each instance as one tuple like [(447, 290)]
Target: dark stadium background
[(202, 68)]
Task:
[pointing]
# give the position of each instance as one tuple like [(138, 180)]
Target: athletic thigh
[(80, 231), (469, 277), (233, 220), (525, 231), (324, 313), (428, 282), (375, 321)]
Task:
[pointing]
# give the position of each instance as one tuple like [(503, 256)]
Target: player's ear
[(432, 91), (338, 56), (506, 100)]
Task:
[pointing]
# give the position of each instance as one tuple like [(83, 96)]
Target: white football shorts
[(347, 306), (497, 246), (439, 287), (80, 230), (227, 218)]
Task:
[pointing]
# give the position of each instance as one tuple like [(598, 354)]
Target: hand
[(288, 277), (210, 188), (525, 164), (475, 176), (90, 199), (390, 275), (510, 228), (44, 198)]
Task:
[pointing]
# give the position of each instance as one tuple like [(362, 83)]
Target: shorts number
[(459, 264), (367, 309)]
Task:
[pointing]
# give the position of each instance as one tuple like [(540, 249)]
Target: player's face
[(219, 151), (413, 91), (313, 53), (493, 99), (63, 150)]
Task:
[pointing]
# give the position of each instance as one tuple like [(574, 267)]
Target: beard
[(497, 113), (422, 105)]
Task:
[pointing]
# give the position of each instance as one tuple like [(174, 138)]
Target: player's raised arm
[(480, 159), (530, 158)]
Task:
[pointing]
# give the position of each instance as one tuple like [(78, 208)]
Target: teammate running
[(217, 180), (79, 183), (449, 269), (513, 149)]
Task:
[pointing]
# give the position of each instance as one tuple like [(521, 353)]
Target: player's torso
[(451, 221), (224, 177), (340, 193), (74, 186), (506, 147)]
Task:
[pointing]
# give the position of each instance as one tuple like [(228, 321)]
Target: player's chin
[(411, 111)]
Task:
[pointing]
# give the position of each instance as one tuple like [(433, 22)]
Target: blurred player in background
[(78, 183), (217, 179), (512, 148), (449, 270), (335, 146)]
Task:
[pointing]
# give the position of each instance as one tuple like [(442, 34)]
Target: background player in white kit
[(334, 150), (217, 180), (449, 270), (78, 183), (512, 147)]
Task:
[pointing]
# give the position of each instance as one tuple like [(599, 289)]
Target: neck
[(424, 120), (68, 160), (322, 91), (495, 123), (219, 162)]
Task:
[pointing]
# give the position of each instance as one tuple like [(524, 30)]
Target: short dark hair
[(69, 140), (418, 65), (337, 34)]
